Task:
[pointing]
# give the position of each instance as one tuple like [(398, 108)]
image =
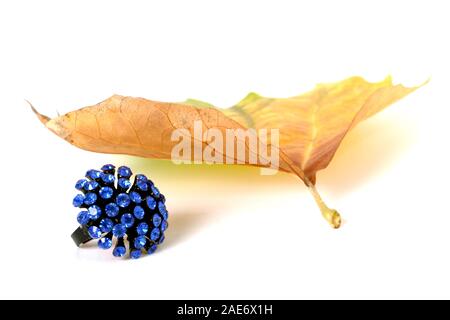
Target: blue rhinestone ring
[(116, 211)]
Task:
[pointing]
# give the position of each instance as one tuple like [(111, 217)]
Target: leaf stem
[(331, 215)]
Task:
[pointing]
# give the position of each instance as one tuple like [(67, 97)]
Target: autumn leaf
[(311, 126)]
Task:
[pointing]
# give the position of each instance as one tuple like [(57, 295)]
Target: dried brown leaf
[(311, 125)]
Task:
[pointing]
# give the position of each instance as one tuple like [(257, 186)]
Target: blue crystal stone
[(90, 198), (162, 198), (124, 183), (124, 172), (135, 254), (138, 212), (78, 200), (108, 167), (135, 197), (161, 240), (83, 217), (104, 243), (155, 191), (106, 192), (106, 225), (141, 177), (162, 208), (90, 185), (94, 212), (142, 185), (139, 242), (108, 178), (151, 203), (154, 235), (80, 184), (156, 220), (93, 174), (119, 251), (123, 200), (119, 230), (152, 249), (112, 210), (94, 232), (164, 226), (142, 228), (127, 220)]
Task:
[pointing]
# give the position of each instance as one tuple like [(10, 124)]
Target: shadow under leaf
[(367, 151)]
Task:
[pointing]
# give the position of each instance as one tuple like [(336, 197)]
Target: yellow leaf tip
[(425, 82), (389, 80)]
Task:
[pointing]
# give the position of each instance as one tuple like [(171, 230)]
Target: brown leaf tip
[(44, 119)]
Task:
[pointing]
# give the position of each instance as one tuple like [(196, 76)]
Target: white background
[(233, 233)]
